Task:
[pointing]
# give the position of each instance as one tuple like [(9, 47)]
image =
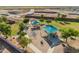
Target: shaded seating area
[(52, 40), (35, 28), (42, 24), (55, 40), (47, 40), (52, 37)]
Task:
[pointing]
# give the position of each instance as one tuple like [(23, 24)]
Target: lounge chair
[(62, 23)]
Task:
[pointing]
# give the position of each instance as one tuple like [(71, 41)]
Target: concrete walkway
[(50, 50), (34, 48)]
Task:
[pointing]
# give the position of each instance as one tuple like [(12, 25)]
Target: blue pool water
[(50, 29), (35, 22)]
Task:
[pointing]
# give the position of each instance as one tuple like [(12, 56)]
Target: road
[(10, 46)]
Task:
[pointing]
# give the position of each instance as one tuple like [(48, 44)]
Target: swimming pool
[(34, 22), (51, 37), (50, 29)]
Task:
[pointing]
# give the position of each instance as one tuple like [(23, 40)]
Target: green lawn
[(15, 28), (74, 25)]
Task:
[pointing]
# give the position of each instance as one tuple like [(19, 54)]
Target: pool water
[(35, 22), (50, 29)]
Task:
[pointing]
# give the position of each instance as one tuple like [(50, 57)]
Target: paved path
[(6, 51), (50, 50), (36, 40), (34, 48)]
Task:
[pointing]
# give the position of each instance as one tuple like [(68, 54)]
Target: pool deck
[(58, 49), (36, 40)]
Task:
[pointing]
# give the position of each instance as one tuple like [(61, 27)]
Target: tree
[(26, 20), (42, 18), (73, 32), (24, 41), (48, 21), (66, 33), (59, 19), (21, 26), (58, 15), (22, 34), (4, 19), (76, 33), (1, 20), (5, 29)]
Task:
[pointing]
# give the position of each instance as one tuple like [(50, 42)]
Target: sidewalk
[(34, 48), (50, 50)]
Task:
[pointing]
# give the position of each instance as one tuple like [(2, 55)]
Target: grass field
[(15, 28), (74, 25)]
